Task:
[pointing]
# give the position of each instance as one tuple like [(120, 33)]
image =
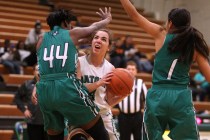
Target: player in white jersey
[(95, 69)]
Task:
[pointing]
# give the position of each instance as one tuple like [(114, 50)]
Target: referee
[(131, 108)]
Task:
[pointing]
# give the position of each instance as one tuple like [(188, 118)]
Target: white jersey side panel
[(92, 74)]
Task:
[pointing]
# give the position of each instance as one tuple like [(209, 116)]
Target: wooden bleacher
[(16, 79), (26, 70), (6, 134), (17, 17), (10, 110), (6, 98)]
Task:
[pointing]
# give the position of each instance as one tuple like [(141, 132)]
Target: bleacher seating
[(17, 17)]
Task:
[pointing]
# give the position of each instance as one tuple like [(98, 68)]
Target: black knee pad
[(56, 137), (98, 131)]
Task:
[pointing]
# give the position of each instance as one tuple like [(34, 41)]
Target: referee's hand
[(34, 97)]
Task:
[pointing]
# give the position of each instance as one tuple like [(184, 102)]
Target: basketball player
[(95, 69), (169, 101), (60, 93)]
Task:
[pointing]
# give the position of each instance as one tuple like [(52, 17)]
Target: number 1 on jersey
[(172, 69), (58, 56)]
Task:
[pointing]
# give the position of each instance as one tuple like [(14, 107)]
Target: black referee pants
[(130, 124), (36, 132)]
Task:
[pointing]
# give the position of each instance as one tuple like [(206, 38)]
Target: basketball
[(121, 82)]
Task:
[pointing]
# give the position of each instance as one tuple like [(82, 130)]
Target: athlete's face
[(100, 43), (132, 69)]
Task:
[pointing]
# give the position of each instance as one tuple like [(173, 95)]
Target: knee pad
[(98, 131), (78, 134), (56, 137)]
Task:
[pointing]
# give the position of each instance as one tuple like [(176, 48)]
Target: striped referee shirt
[(135, 101)]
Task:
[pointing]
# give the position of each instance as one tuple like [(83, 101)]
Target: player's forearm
[(129, 8), (101, 24), (114, 100), (92, 86)]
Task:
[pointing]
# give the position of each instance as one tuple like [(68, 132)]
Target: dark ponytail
[(187, 39)]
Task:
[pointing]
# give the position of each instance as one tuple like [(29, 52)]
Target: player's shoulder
[(82, 58), (107, 63)]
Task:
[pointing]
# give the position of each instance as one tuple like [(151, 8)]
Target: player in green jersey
[(60, 93), (169, 101)]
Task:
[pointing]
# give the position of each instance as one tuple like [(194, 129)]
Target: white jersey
[(91, 74)]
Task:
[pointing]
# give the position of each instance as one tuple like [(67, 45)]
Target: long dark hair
[(187, 38), (57, 17)]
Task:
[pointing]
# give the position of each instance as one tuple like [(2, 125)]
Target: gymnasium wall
[(199, 10)]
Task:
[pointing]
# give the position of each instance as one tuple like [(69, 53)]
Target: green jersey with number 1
[(57, 54), (167, 69)]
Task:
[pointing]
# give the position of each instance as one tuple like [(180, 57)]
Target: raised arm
[(151, 28), (83, 32)]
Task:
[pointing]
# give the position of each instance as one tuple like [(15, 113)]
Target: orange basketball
[(121, 82)]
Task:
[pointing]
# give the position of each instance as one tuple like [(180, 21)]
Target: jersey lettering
[(58, 56), (51, 57), (90, 79)]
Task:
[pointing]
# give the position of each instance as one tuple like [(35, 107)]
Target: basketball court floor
[(203, 135)]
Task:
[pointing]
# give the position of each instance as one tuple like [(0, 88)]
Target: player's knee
[(79, 137), (55, 135), (53, 132), (78, 134)]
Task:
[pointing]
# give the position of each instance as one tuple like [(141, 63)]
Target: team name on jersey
[(90, 79)]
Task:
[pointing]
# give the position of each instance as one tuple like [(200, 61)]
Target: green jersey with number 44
[(168, 70), (57, 53)]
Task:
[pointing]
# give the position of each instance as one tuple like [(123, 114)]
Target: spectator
[(4, 49), (11, 60), (145, 62), (131, 108), (31, 41), (21, 48), (131, 53), (202, 86), (32, 113), (33, 35), (195, 92), (23, 53), (48, 3), (117, 55)]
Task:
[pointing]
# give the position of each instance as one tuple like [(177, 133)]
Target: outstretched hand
[(106, 14)]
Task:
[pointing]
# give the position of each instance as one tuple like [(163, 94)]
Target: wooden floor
[(203, 136)]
